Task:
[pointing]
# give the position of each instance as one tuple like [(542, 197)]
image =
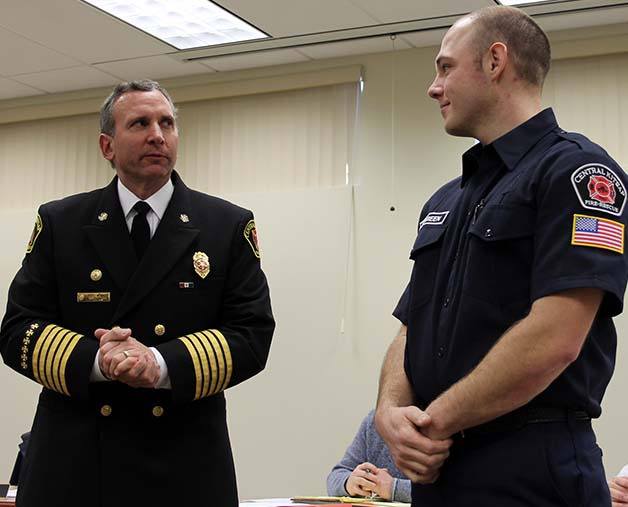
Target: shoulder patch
[(598, 232), (250, 233), (599, 188), (35, 234), (434, 218)]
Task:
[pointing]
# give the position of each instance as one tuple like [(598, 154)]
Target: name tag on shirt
[(93, 297), (434, 218)]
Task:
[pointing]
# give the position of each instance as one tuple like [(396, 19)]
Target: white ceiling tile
[(258, 59), (19, 56), (425, 38), (152, 67), (75, 78), (354, 47), (282, 18), (78, 30), (583, 19), (46, 43), (10, 89), (406, 10)]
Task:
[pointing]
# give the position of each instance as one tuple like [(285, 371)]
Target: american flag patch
[(598, 232)]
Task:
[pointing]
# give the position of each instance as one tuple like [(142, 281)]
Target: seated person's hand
[(619, 491), (384, 483), (360, 482), (366, 480)]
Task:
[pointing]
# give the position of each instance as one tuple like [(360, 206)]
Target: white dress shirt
[(158, 203)]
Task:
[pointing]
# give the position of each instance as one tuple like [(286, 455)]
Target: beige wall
[(291, 425)]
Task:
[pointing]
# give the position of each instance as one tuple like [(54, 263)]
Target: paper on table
[(347, 500), (12, 493), (269, 502), (336, 499), (624, 472), (282, 502)]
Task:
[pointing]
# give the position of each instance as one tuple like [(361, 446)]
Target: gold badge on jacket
[(201, 264)]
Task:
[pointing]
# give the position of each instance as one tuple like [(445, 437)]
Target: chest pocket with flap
[(426, 254), (501, 254)]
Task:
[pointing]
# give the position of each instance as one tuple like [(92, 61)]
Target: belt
[(522, 417)]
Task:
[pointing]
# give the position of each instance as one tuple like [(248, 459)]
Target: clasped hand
[(125, 359), (619, 491), (416, 448)]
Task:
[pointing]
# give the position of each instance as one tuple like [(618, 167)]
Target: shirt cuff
[(164, 378), (96, 375)]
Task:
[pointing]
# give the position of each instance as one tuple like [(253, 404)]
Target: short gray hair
[(107, 123)]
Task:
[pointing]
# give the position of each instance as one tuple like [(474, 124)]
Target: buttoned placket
[(472, 202)]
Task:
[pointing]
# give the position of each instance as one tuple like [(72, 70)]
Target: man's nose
[(435, 90), (155, 134)]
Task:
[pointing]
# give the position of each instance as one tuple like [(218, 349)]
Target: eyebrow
[(145, 117)]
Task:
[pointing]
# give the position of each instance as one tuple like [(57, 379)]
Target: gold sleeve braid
[(212, 361), (50, 357)]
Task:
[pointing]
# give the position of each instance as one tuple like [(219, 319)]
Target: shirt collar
[(511, 147), (158, 201), (478, 157)]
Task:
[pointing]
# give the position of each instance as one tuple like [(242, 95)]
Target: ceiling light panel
[(184, 24), (524, 2)]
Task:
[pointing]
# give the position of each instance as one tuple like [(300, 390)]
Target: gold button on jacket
[(105, 410), (158, 411), (160, 329)]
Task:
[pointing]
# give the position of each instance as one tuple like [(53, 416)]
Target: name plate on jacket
[(93, 297)]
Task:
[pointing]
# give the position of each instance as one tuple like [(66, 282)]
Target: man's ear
[(105, 141), (496, 60)]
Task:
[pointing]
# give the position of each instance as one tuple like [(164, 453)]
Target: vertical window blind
[(590, 96), (274, 141)]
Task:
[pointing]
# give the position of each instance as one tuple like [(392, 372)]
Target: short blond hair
[(526, 41)]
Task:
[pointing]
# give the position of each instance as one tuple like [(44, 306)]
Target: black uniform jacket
[(198, 295)]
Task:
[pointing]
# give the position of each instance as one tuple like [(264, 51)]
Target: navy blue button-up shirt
[(536, 212)]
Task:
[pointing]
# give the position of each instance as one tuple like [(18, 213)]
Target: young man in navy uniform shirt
[(519, 267), (136, 306)]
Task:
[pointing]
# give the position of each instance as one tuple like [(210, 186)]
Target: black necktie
[(140, 231)]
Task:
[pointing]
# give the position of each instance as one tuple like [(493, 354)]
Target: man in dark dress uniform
[(136, 306), (519, 267)]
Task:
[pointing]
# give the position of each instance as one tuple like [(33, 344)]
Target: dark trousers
[(557, 464)]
